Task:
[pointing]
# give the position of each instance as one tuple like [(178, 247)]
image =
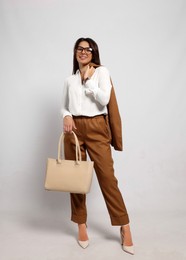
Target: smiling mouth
[(83, 56)]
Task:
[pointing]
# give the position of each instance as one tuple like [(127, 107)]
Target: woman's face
[(83, 53)]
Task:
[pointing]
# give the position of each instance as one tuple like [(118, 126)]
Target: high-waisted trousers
[(94, 138)]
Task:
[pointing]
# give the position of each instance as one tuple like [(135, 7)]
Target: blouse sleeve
[(65, 101), (100, 91)]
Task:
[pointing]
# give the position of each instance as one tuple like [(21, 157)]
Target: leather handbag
[(74, 176)]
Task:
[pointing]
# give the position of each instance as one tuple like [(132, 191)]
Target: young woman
[(86, 94)]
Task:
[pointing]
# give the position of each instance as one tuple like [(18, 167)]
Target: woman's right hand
[(68, 124)]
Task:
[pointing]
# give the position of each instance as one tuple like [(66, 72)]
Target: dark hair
[(95, 53)]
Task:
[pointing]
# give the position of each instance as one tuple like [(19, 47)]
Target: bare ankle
[(83, 225)]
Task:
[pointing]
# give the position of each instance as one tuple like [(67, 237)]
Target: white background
[(142, 43)]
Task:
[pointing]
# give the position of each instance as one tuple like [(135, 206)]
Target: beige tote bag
[(68, 175)]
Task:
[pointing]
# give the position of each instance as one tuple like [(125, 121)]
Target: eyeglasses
[(87, 50)]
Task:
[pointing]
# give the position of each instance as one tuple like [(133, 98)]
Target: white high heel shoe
[(127, 249), (83, 244)]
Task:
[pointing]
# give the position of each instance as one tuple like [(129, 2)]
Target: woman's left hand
[(89, 72)]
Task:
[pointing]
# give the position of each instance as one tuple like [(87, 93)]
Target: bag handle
[(78, 152)]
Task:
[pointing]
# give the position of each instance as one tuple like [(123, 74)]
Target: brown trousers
[(94, 137)]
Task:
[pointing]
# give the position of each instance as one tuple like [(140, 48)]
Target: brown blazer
[(114, 119)]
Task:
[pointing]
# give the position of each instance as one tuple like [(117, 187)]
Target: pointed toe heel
[(83, 244), (127, 249)]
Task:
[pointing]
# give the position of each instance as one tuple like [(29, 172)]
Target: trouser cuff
[(79, 219), (120, 221)]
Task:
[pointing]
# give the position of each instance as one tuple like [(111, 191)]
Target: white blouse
[(89, 99)]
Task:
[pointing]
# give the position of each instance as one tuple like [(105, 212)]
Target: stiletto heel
[(83, 244), (127, 249)]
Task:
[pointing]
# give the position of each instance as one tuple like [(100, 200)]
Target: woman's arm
[(100, 92), (65, 98), (68, 122)]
